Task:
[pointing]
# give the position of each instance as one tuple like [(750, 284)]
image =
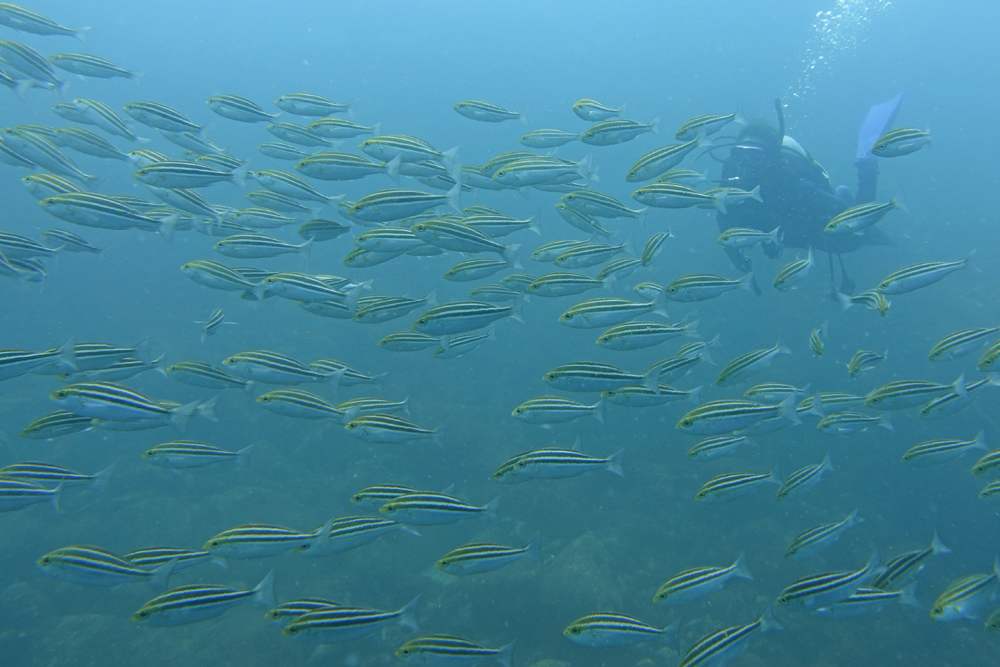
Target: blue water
[(608, 542)]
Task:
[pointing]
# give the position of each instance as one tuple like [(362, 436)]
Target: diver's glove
[(772, 250), (739, 260)]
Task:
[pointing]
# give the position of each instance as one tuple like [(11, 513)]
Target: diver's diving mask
[(747, 155)]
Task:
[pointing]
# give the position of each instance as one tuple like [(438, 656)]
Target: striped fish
[(200, 374), (804, 478), (986, 464), (388, 239), (310, 104), (536, 171), (546, 410), (699, 582), (261, 541), (675, 195), (562, 283), (272, 368), (434, 509), (687, 177), (322, 230), (824, 590), (736, 238), (396, 204), (256, 246), (707, 124), (15, 246), (605, 629), (863, 216), (376, 496), (339, 624), (656, 162), (901, 141), (302, 405), (352, 532), (989, 359), (699, 287), (619, 268), (90, 566), (584, 255), (449, 650), (617, 131), (498, 226), (295, 134), (548, 138), (384, 309), (239, 108), (387, 429), (593, 376), (601, 205), (108, 401), (608, 311), (92, 112), (187, 454), (38, 151), (88, 143), (15, 495), (286, 612), (456, 346), (903, 394), (917, 276), (92, 210), (966, 595), (161, 117), (408, 341), (461, 316), (816, 338), (654, 246), (333, 166), (26, 60), (560, 464), (585, 222), (735, 485), (476, 268), (713, 448), (848, 423), (25, 20), (518, 281), (198, 602), (640, 335), (157, 557), (211, 325), (42, 185), (549, 252), (479, 558), (593, 111), (386, 147), (282, 151), (818, 538), (864, 360), (727, 415), (182, 174), (720, 647), (303, 287), (900, 568), (773, 392), (935, 451), (344, 374), (487, 112), (957, 344), (793, 273), (46, 473), (869, 601), (56, 424), (144, 158), (950, 403)]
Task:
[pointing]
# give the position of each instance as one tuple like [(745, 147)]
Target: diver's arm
[(867, 179)]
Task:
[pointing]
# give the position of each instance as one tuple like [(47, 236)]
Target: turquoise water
[(608, 543)]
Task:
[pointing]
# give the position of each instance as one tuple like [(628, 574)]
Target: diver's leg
[(847, 285), (832, 274)]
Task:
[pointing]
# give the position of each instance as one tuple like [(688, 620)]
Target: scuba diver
[(796, 190)]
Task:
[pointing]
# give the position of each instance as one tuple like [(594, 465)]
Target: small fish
[(656, 162), (869, 601), (109, 401), (272, 368), (734, 485), (56, 424), (198, 602), (848, 423), (605, 629), (726, 416), (479, 558), (608, 311), (594, 111), (338, 624), (286, 612), (25, 20), (341, 128), (871, 299), (157, 557), (188, 454), (445, 650), (708, 124), (654, 246), (816, 338), (90, 566), (487, 112), (718, 648), (617, 131), (210, 326), (989, 359), (804, 478), (387, 429), (462, 316), (45, 473), (15, 495), (310, 104), (818, 538), (262, 541), (699, 287), (639, 396), (902, 567), (824, 590), (902, 394), (901, 141), (200, 374), (751, 363), (865, 360), (548, 138), (301, 405), (737, 237), (713, 448), (408, 341), (687, 177), (456, 346), (546, 410), (239, 109), (350, 533), (935, 451), (917, 276), (640, 335), (559, 464), (861, 217), (434, 509), (675, 195), (966, 595), (699, 582), (960, 343), (793, 273)]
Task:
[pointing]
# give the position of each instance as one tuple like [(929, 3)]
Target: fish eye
[(672, 290), (290, 630), (142, 614), (686, 422), (518, 411), (265, 399), (520, 464), (215, 543), (389, 509), (405, 651), (876, 401), (574, 631), (46, 560)]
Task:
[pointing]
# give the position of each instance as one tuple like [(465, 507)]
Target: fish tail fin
[(206, 409), (408, 615), (243, 456), (899, 201), (439, 434), (392, 169), (56, 494), (937, 547), (81, 33), (719, 200), (885, 422), (263, 593), (668, 635), (767, 621), (67, 354), (741, 569), (534, 549), (167, 227), (654, 125), (694, 395), (179, 417), (907, 596), (599, 408), (613, 463), (505, 654), (522, 116), (958, 386), (158, 577), (23, 87), (980, 441), (787, 409), (749, 284), (101, 479)]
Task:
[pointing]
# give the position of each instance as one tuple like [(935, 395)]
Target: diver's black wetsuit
[(798, 197)]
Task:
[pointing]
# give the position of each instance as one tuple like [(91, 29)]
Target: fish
[(549, 252), (966, 595), (462, 316), (606, 629), (725, 488), (91, 566), (408, 341), (869, 601), (917, 276), (15, 495), (793, 273), (487, 112), (640, 335), (639, 396), (198, 602), (699, 287), (726, 416), (55, 425), (935, 452), (751, 363), (989, 359), (350, 533), (592, 110), (824, 590), (872, 299), (476, 268), (456, 346), (385, 309), (480, 558), (858, 218), (391, 205), (239, 109), (900, 568), (161, 117), (322, 230), (656, 162), (714, 448), (341, 128), (699, 582), (804, 478), (184, 174), (156, 557), (847, 423), (654, 246), (619, 268), (461, 237), (687, 177), (541, 171), (865, 360), (617, 131), (26, 60), (546, 410), (814, 540), (585, 222), (200, 374), (213, 274), (257, 246), (86, 142), (333, 166), (675, 195), (718, 648), (188, 454), (737, 238), (816, 338), (959, 343), (25, 20), (708, 124), (46, 473), (295, 134), (452, 651), (386, 147), (261, 541), (286, 612), (901, 141), (387, 429), (608, 311), (272, 368), (585, 376), (38, 151), (42, 185), (109, 401), (310, 104), (92, 112), (558, 464), (280, 150), (548, 138), (302, 405), (338, 624), (773, 392), (434, 509), (902, 394)]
